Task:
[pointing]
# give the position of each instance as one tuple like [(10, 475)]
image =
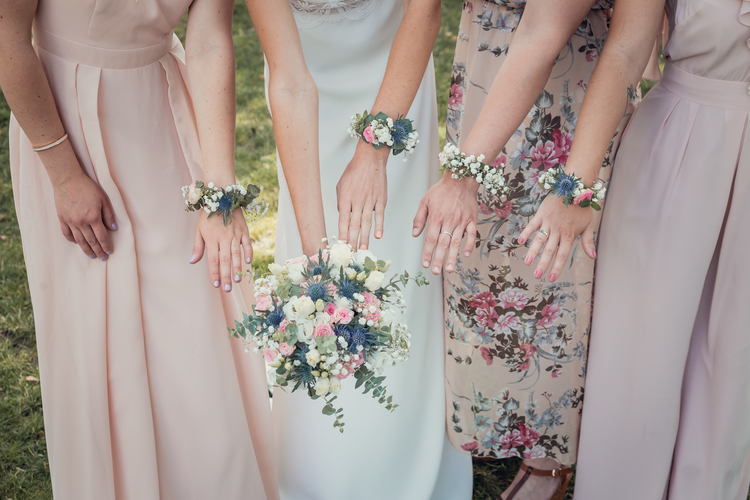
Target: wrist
[(468, 184), (368, 152)]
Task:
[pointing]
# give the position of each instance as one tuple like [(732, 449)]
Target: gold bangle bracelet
[(51, 144)]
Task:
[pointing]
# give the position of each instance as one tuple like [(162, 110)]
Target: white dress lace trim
[(311, 14)]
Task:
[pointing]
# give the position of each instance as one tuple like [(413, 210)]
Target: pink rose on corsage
[(586, 195), (331, 309), (343, 315), (322, 330), (270, 355), (368, 134), (286, 349), (194, 195), (283, 325), (265, 303)]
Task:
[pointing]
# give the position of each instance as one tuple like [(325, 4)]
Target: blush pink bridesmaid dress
[(667, 409), (145, 397)]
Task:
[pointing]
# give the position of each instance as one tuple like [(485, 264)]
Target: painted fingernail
[(92, 256), (109, 253), (248, 260), (520, 241), (528, 259), (227, 287), (538, 273), (192, 258), (216, 284), (103, 258), (594, 252), (114, 227), (552, 278), (237, 278)]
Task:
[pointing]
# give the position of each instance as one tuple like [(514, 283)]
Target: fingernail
[(414, 232), (552, 278), (363, 247), (528, 259), (449, 267), (467, 254), (103, 258), (248, 260), (227, 287), (537, 273), (114, 227), (216, 284), (594, 251), (92, 256), (520, 241), (109, 253), (436, 270), (192, 258), (237, 278), (425, 264), (380, 235)]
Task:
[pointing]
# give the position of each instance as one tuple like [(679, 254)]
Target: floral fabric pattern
[(516, 346)]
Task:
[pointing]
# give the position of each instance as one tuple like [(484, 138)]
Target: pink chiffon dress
[(145, 397), (667, 407)]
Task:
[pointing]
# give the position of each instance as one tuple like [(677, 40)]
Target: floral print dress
[(515, 345)]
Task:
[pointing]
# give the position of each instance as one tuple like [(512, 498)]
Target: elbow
[(293, 85)]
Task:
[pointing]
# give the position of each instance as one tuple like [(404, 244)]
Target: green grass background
[(24, 470)]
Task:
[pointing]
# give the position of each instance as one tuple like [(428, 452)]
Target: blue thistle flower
[(275, 318), (225, 203), (316, 292), (399, 132), (317, 270), (348, 289), (305, 374), (566, 185)]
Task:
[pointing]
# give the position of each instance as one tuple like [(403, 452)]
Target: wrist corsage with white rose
[(571, 189), (320, 321), (461, 166), (224, 201), (380, 131)]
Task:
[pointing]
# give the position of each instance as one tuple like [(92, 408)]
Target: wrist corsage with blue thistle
[(461, 166), (571, 189), (224, 201), (380, 130)]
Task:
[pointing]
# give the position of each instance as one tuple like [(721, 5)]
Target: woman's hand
[(562, 225), (362, 190), (85, 214), (451, 207), (222, 245)]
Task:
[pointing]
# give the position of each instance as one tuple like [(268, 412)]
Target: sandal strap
[(528, 472), (558, 472)]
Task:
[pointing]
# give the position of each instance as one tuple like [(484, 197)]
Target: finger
[(212, 252), (587, 241), (550, 248), (236, 261), (345, 210), (67, 232), (534, 225), (379, 218), (81, 240), (100, 231), (430, 241), (536, 246), (364, 242), (93, 242), (563, 252), (471, 238), (455, 246), (198, 246), (354, 224), (225, 265), (247, 248), (108, 215), (420, 220), (444, 241)]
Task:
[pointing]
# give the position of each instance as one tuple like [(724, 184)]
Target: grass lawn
[(24, 471)]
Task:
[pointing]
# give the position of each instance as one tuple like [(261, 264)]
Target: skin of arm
[(363, 187), (451, 205), (634, 27), (294, 105), (83, 209)]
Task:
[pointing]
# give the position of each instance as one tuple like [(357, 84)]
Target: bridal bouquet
[(322, 319)]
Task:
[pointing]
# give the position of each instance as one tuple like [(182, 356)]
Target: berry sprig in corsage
[(224, 201), (571, 189), (380, 131)]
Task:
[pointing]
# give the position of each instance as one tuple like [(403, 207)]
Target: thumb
[(420, 219), (587, 240), (108, 215), (198, 246)]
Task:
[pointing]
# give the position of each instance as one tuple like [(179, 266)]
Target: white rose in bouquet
[(379, 361), (361, 255), (322, 386), (335, 385), (313, 357), (275, 268), (374, 280), (295, 272), (340, 255), (305, 330), (299, 308)]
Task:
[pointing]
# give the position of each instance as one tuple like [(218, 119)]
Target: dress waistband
[(101, 57), (719, 93)]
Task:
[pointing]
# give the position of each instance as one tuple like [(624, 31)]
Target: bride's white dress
[(381, 455)]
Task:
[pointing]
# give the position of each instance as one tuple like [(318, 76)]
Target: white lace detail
[(311, 13)]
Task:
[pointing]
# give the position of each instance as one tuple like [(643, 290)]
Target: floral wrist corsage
[(571, 189), (224, 201), (462, 166), (379, 130)]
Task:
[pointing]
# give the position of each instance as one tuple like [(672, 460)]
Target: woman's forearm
[(209, 54)]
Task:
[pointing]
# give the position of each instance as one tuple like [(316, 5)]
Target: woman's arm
[(451, 205), (363, 188), (294, 106), (83, 209), (635, 24)]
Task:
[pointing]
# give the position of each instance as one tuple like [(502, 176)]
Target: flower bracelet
[(224, 201), (462, 166), (379, 130), (571, 189)]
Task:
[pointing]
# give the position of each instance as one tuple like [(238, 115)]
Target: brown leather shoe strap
[(559, 472), (519, 485)]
